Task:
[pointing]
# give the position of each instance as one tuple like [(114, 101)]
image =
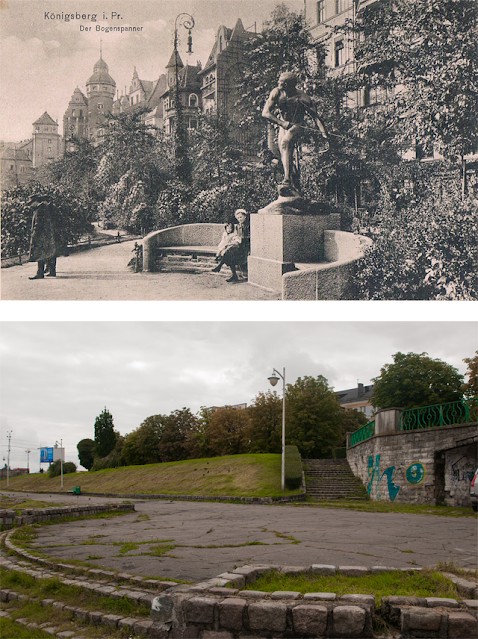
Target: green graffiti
[(415, 474)]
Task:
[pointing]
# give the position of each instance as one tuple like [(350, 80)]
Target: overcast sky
[(43, 60), (58, 376)]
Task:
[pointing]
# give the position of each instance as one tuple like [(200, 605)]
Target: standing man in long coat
[(44, 243)]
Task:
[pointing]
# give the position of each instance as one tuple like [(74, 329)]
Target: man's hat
[(38, 198)]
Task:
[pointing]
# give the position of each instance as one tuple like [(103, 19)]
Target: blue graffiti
[(374, 474)]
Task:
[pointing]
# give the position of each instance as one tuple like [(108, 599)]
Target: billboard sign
[(49, 455)]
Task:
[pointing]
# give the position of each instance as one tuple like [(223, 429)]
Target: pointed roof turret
[(175, 60)]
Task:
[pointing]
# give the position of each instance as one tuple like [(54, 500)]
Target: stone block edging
[(221, 605), (10, 518), (221, 498)]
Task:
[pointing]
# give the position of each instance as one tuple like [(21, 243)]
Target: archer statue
[(292, 106)]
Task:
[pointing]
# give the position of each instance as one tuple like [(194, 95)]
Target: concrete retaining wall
[(426, 466), (10, 518), (328, 281)]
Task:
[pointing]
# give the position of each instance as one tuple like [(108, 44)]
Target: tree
[(313, 417), (228, 431), (350, 421), (86, 452), (141, 445), (422, 55), (105, 434), (177, 436), (470, 389), (132, 152), (265, 415), (415, 380)]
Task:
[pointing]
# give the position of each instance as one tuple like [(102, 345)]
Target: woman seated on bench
[(226, 253)]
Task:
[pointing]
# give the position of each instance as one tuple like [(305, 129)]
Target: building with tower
[(46, 141), (189, 84), (100, 94)]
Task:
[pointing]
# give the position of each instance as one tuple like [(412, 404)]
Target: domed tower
[(75, 118), (100, 92)]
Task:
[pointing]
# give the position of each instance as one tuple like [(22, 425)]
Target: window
[(12, 167), (49, 141), (341, 5), (193, 100), (320, 11), (100, 107), (339, 53), (193, 124), (166, 103), (73, 112), (81, 113)]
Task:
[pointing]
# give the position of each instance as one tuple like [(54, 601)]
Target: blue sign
[(46, 455)]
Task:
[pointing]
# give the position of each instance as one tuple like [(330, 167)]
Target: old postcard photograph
[(233, 150)]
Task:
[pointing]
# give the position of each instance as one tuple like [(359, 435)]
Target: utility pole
[(28, 455), (9, 437)]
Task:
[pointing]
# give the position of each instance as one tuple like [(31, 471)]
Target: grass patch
[(427, 583), (53, 588), (232, 475), (390, 507), (14, 631)]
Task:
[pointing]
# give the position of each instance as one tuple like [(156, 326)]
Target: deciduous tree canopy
[(415, 380)]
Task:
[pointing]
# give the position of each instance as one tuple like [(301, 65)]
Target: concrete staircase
[(331, 479)]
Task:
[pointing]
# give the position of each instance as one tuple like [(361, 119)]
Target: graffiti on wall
[(376, 477), (415, 474)]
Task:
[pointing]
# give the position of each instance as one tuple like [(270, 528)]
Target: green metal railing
[(461, 412), (365, 432)]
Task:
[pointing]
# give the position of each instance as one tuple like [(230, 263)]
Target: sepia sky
[(43, 60), (58, 376)]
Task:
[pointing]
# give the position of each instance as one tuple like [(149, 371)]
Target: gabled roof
[(359, 393), (14, 154), (159, 88), (46, 119), (78, 98)]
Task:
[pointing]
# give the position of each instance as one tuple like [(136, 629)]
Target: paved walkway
[(102, 274), (207, 539)]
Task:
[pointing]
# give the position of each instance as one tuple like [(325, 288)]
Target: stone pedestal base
[(280, 241)]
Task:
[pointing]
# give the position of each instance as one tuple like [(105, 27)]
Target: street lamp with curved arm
[(273, 379)]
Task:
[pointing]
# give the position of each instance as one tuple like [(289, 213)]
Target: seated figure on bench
[(226, 251)]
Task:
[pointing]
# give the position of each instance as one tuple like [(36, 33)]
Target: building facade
[(46, 141), (357, 398)]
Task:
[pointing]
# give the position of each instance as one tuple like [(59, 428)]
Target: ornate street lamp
[(181, 157), (273, 379)]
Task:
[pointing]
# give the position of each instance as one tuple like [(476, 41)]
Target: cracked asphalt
[(238, 534)]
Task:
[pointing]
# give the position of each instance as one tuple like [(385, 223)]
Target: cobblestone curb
[(10, 518)]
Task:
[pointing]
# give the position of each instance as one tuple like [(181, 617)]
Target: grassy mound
[(233, 475)]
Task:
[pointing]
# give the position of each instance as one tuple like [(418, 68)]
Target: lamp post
[(183, 169), (273, 379), (28, 451)]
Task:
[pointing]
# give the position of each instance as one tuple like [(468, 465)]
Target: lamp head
[(273, 379)]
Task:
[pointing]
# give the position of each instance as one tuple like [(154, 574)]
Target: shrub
[(339, 453), (55, 468), (293, 468)]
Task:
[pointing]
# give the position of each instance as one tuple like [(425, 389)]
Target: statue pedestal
[(278, 241)]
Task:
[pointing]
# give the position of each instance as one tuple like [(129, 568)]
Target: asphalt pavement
[(209, 538), (103, 274)]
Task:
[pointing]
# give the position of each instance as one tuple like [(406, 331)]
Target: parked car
[(474, 492)]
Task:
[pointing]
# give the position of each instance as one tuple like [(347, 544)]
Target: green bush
[(293, 468), (339, 453), (55, 468)]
